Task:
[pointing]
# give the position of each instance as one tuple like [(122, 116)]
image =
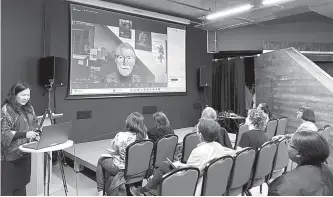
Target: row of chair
[(230, 175), (274, 127), (138, 155)]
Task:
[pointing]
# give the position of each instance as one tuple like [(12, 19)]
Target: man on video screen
[(123, 74)]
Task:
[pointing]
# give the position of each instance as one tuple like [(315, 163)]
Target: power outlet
[(83, 115)]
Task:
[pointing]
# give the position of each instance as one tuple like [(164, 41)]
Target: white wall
[(306, 27)]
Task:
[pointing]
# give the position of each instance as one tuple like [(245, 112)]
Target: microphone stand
[(59, 154), (48, 111)]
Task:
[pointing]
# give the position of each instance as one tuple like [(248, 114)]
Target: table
[(236, 119), (47, 159)]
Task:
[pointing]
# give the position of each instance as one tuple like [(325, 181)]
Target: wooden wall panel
[(286, 80)]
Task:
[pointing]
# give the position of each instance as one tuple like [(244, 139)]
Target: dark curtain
[(228, 88)]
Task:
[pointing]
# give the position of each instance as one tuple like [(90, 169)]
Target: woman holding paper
[(18, 125)]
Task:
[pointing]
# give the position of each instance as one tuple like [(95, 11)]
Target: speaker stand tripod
[(59, 154)]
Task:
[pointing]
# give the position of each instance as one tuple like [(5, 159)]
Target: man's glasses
[(127, 58)]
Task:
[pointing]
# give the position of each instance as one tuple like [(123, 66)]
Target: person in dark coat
[(311, 177), (124, 71)]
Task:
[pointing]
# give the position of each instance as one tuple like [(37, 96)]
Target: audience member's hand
[(238, 148), (31, 134), (165, 167)]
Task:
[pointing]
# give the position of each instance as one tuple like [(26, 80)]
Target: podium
[(47, 158), (35, 187)]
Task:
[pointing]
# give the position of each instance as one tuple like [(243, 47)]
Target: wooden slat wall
[(286, 80)]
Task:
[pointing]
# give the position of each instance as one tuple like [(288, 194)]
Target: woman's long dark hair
[(135, 124), (11, 98), (162, 124)]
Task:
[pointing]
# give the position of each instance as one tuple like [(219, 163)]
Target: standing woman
[(18, 125)]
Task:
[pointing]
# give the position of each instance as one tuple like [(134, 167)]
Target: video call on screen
[(114, 53)]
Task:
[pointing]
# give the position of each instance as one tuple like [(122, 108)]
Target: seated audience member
[(311, 177), (199, 157), (222, 134), (110, 166), (264, 107), (307, 117), (162, 127), (256, 120)]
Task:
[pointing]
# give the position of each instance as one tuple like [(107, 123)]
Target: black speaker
[(53, 68), (205, 76)]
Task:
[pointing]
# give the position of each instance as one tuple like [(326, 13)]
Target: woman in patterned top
[(18, 125), (110, 166)]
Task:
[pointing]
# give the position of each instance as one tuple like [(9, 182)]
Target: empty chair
[(241, 171), (165, 148), (263, 165), (271, 128), (281, 126), (281, 159), (242, 129), (190, 141), (136, 163), (180, 182), (216, 175)]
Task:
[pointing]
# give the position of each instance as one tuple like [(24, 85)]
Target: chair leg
[(249, 193), (261, 189)]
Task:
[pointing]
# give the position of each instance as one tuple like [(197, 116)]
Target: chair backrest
[(242, 129), (180, 182), (242, 168), (281, 159), (281, 126), (271, 128), (216, 175), (190, 141), (325, 131), (137, 160), (165, 148), (264, 160)]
